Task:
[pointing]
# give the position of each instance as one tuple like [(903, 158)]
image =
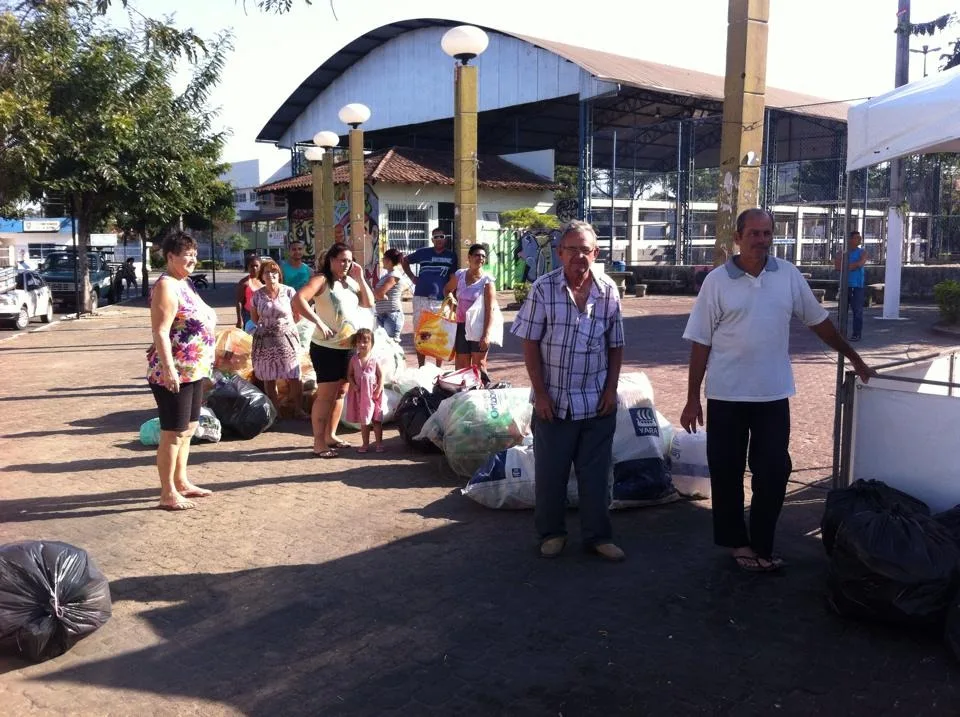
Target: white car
[(29, 299)]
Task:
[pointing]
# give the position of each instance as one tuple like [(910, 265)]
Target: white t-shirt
[(746, 322)]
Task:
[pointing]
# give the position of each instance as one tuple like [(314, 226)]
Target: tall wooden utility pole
[(895, 213), (741, 140)]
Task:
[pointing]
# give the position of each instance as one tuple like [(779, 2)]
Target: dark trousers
[(587, 445), (856, 297), (738, 431)]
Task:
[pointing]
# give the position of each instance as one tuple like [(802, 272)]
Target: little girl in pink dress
[(365, 403)]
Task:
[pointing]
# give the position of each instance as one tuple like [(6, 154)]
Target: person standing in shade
[(739, 331), (387, 294), (572, 333), (437, 264), (243, 297), (856, 280), (296, 273)]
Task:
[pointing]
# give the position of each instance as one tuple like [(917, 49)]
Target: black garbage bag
[(51, 596), (950, 520), (893, 566), (416, 406), (243, 409), (863, 495), (951, 633)]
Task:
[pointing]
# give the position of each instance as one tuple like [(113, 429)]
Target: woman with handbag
[(339, 291), (471, 285)]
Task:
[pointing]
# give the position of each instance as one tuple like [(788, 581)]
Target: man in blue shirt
[(296, 274), (437, 264), (856, 285)]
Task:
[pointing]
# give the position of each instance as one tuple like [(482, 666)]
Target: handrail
[(894, 364)]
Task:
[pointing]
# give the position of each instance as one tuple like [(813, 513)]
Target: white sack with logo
[(640, 473)]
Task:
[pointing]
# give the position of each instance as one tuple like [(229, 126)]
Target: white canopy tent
[(921, 117)]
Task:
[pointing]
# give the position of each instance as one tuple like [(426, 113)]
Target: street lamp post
[(464, 43), (314, 155), (327, 140), (355, 114)]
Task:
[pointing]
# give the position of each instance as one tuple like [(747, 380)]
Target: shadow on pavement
[(465, 619)]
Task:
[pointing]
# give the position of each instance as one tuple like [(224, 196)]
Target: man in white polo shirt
[(740, 334)]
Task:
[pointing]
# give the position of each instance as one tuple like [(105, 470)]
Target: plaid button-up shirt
[(573, 345)]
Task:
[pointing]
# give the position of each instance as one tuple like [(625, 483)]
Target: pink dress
[(362, 408)]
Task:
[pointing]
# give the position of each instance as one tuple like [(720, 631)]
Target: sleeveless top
[(391, 301), (335, 307), (192, 336), (276, 315), (467, 294)]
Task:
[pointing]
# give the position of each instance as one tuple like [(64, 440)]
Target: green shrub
[(207, 264), (520, 291), (947, 294), (158, 261), (528, 219)]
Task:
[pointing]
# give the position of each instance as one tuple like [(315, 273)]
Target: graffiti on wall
[(302, 226)]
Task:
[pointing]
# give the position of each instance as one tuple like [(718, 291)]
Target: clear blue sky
[(839, 49)]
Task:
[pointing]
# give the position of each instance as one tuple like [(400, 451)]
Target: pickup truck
[(57, 271), (23, 296)]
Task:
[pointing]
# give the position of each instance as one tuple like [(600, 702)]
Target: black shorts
[(330, 364), (461, 345), (178, 410)]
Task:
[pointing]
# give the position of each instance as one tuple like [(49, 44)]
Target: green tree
[(528, 219), (87, 111)]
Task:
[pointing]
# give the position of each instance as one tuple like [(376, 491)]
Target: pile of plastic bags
[(890, 561), (640, 473)]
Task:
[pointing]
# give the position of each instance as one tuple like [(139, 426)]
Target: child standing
[(365, 404)]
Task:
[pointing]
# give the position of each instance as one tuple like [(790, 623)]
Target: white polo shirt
[(745, 320)]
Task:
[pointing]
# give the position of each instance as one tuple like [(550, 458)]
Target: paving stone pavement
[(370, 586)]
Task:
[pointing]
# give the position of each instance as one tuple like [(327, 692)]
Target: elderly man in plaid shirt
[(572, 333)]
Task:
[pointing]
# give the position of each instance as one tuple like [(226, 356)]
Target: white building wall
[(410, 80)]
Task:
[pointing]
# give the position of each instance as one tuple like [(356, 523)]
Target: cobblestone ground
[(370, 586)]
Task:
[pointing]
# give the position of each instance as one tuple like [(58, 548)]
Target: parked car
[(26, 296), (58, 271)]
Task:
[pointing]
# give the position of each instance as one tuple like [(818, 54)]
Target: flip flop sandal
[(183, 505), (339, 444), (329, 453), (750, 564)]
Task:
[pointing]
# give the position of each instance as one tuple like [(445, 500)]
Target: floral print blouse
[(191, 337)]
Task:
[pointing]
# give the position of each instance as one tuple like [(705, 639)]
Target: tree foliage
[(87, 111), (528, 219)]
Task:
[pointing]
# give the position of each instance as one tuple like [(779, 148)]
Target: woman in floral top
[(179, 359)]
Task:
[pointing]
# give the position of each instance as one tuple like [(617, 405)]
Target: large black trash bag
[(950, 520), (641, 481), (243, 409), (51, 596), (863, 495), (951, 633), (893, 566), (416, 406)]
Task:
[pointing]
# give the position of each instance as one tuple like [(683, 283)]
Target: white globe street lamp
[(354, 114), (326, 139), (464, 42), (313, 154)]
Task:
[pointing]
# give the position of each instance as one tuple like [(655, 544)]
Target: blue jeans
[(855, 299), (587, 445), (392, 323)]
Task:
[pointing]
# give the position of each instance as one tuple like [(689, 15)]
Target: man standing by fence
[(740, 334), (856, 280)]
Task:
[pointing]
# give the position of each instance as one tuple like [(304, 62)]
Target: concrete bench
[(831, 287), (623, 279), (874, 294), (662, 284)]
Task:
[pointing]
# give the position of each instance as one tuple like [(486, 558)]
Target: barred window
[(407, 227)]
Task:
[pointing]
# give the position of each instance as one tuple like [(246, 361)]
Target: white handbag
[(473, 323)]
